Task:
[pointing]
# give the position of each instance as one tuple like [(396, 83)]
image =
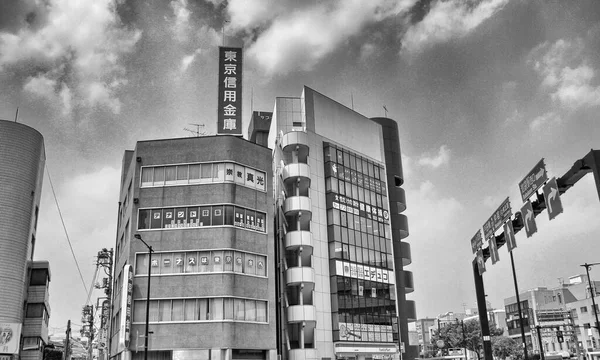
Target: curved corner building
[(22, 159), (338, 200)]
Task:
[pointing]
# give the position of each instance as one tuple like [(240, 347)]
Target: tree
[(503, 347), (51, 353), (452, 335)]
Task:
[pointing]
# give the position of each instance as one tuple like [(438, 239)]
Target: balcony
[(295, 140), (406, 255), (408, 281), (300, 313), (297, 174), (298, 275), (294, 205), (295, 239)]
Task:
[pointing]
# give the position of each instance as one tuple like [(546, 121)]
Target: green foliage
[(453, 337), (52, 354), (503, 347)]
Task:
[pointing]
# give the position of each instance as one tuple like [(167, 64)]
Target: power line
[(65, 228)]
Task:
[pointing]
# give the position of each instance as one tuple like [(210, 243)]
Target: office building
[(24, 305), (204, 205), (339, 232)]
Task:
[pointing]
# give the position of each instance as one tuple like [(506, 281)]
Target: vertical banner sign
[(229, 115), (509, 236), (528, 219), (126, 292), (480, 262), (476, 241)]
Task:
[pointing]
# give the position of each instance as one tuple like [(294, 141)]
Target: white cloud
[(447, 20), (188, 60), (40, 85), (442, 158), (182, 19), (544, 121), (80, 44), (565, 73), (49, 88), (294, 35)]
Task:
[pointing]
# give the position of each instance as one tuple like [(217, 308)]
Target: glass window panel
[(250, 267), (250, 310), (216, 309), (139, 311), (219, 172), (334, 185), (228, 308), (239, 174), (345, 252), (168, 218), (229, 171), (190, 310), (144, 219), (261, 180), (346, 159), (327, 153), (194, 173), (164, 310), (159, 175), (205, 261), (228, 260), (217, 215), (166, 263), (178, 263), (261, 265), (170, 174), (352, 252), (141, 264), (240, 217), (155, 264), (228, 209), (206, 173), (343, 219), (191, 262), (342, 187), (147, 176), (261, 311), (261, 219), (181, 217), (238, 309), (193, 216), (205, 216), (177, 311), (217, 260), (153, 310), (238, 266), (351, 237), (340, 156), (203, 309), (250, 219), (182, 174)]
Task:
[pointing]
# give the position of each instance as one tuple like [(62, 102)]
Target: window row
[(360, 255), (355, 237), (200, 216), (204, 309), (366, 196), (353, 161), (366, 226), (349, 331), (203, 173), (194, 262), (335, 171), (376, 293), (37, 310)]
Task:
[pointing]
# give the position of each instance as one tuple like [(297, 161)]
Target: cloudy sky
[(481, 90)]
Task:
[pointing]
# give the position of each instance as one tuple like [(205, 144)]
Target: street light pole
[(592, 292), (150, 251)]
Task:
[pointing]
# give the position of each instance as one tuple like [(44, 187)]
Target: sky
[(481, 91)]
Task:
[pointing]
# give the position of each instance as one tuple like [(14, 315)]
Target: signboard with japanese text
[(126, 293), (10, 338), (476, 241), (498, 218), (229, 115), (364, 272), (347, 204), (533, 181)]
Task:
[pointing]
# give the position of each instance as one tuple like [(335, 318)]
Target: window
[(583, 309), (38, 277), (35, 310)]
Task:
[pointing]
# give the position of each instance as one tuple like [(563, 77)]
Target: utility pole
[(539, 332), (67, 352), (573, 333), (592, 293)]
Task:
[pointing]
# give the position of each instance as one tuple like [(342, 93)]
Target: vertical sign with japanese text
[(229, 115), (126, 299)]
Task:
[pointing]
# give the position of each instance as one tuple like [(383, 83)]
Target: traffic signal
[(559, 335)]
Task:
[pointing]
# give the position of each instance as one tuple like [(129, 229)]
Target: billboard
[(229, 104), (10, 338)]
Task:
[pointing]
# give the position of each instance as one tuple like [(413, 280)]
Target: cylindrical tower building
[(22, 159)]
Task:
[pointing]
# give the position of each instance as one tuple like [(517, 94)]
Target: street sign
[(494, 250), (509, 236), (498, 218), (476, 241), (552, 197), (528, 219), (533, 181), (480, 262)]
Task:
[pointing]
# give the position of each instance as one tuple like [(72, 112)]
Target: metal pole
[(147, 301), (481, 308), (540, 342), (512, 263), (592, 293)]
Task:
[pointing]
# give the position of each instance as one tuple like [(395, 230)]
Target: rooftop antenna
[(352, 99), (223, 31), (252, 100), (386, 110), (17, 115), (196, 132)]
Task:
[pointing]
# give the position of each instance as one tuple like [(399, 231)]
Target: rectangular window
[(216, 309), (190, 310), (228, 309), (229, 217), (153, 310), (164, 310), (203, 309), (206, 173), (238, 309), (194, 173), (583, 309), (182, 174), (38, 277), (170, 175), (250, 310), (261, 311), (35, 310), (217, 215), (205, 216), (147, 176), (218, 172), (159, 175), (177, 313), (169, 218), (250, 267)]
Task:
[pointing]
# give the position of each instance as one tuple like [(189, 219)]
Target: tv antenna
[(197, 132)]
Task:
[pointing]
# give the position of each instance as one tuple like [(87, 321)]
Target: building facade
[(204, 205), (24, 307), (339, 232)]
